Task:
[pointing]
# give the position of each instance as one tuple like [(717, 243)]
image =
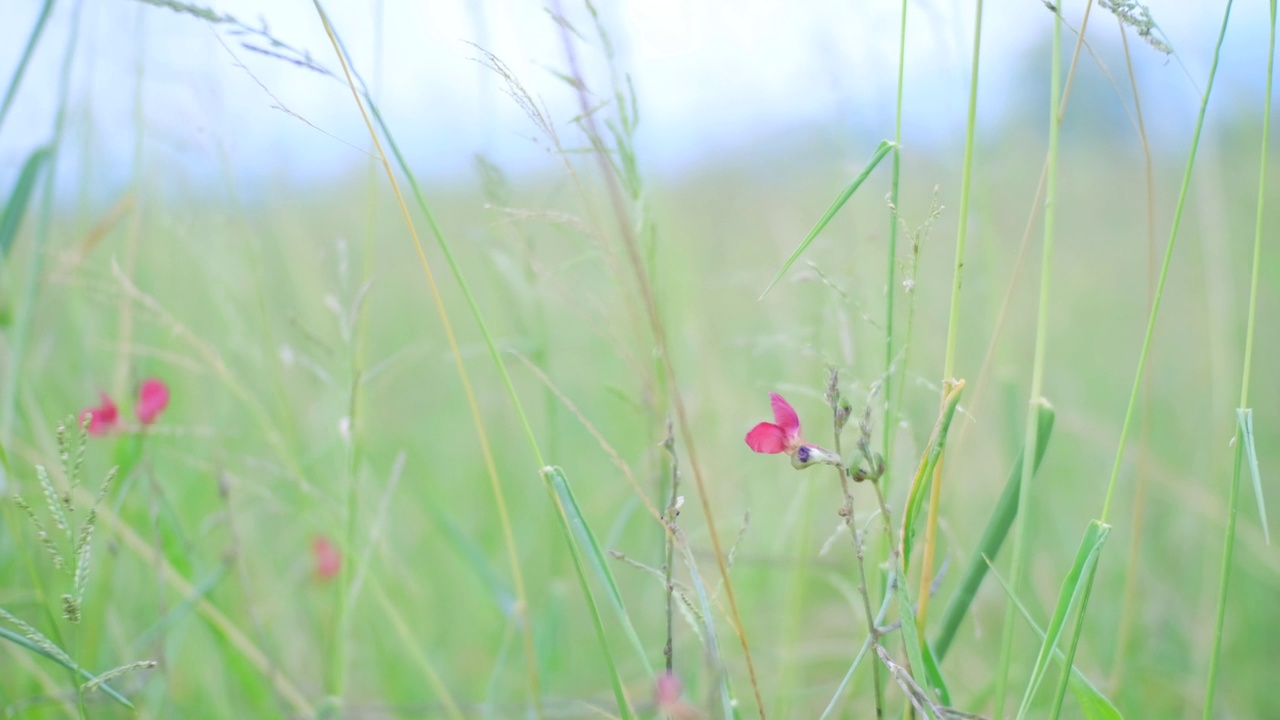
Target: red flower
[(105, 416), (328, 558), (783, 436), (153, 397)]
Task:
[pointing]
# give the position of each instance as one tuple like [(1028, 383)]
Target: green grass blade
[(992, 538), (728, 707), (1245, 417), (33, 38), (21, 641), (1072, 587), (1095, 705), (933, 673), (881, 150), (910, 637), (596, 558), (551, 475), (16, 208), (924, 473)]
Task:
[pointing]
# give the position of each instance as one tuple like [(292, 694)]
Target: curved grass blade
[(23, 642), (928, 461), (1095, 705), (33, 38), (587, 540), (1073, 586), (881, 150), (1245, 417), (556, 480), (16, 208), (992, 538), (910, 636)]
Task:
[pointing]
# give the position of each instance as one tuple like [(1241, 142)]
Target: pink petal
[(785, 416), (153, 396), (105, 416), (327, 558), (767, 438)]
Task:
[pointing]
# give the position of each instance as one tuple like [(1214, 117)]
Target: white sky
[(711, 77)]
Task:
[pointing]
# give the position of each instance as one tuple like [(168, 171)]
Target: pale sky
[(712, 77)]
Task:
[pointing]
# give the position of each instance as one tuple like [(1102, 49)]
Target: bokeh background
[(216, 217)]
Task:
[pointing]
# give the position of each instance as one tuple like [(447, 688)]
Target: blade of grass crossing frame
[(924, 473), (1093, 703), (587, 540), (16, 207), (910, 637), (23, 642), (1245, 417), (993, 538), (728, 708), (551, 475), (933, 673), (881, 150), (1072, 587)]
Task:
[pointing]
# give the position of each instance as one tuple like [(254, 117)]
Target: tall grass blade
[(587, 541), (910, 635), (928, 461), (65, 662), (1245, 417), (727, 705), (1072, 587), (555, 478), (992, 538), (16, 208), (1095, 705), (881, 150), (33, 38)]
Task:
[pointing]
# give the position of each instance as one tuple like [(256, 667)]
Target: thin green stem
[(891, 271), (1164, 271), (1233, 500), (1142, 356), (953, 321), (33, 38), (1030, 440)]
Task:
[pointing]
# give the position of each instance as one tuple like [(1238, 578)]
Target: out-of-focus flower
[(783, 436), (669, 697), (104, 417), (153, 397), (328, 558)]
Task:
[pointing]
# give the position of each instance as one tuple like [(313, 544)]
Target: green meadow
[(479, 394)]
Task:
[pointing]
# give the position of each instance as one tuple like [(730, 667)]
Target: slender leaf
[(910, 638), (16, 208), (924, 473), (933, 674), (1245, 418), (728, 707), (881, 150), (33, 38), (587, 540), (992, 539), (550, 474), (1095, 705), (1073, 586), (23, 642)]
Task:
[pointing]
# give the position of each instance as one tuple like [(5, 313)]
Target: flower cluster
[(153, 397)]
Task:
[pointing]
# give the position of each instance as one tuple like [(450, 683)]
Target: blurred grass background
[(247, 466)]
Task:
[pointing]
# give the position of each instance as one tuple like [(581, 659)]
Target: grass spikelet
[(114, 673), (1138, 16), (56, 504), (49, 545), (38, 638)]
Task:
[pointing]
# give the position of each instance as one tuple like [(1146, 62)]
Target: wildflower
[(783, 436), (153, 396), (104, 417), (327, 557), (668, 696)]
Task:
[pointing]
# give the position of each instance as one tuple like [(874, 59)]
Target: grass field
[(498, 485)]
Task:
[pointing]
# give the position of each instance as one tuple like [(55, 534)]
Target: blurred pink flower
[(328, 558), (153, 397), (105, 416), (669, 697), (783, 436)]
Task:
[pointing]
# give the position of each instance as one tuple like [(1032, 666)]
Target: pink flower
[(668, 696), (783, 436), (328, 558), (105, 416), (153, 397)]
